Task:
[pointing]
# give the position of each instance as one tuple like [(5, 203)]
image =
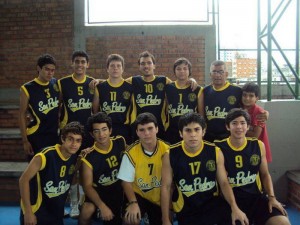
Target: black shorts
[(153, 211), (214, 211), (256, 208)]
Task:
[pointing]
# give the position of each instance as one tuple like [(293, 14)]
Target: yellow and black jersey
[(150, 97), (217, 104), (147, 181), (77, 99), (115, 101), (106, 164), (43, 105), (194, 176), (242, 165), (179, 101), (49, 188)]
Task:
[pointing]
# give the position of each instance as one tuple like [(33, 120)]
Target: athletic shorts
[(256, 208), (214, 211)]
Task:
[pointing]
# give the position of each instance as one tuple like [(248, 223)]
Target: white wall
[(284, 135)]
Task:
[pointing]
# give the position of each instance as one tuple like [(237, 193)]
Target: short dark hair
[(144, 55), (45, 59), (235, 113), (252, 88), (218, 63), (183, 61), (73, 127), (191, 117), (100, 117), (145, 118), (80, 54), (115, 57)]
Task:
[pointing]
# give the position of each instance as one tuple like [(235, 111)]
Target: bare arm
[(28, 174), (267, 181), (165, 197), (255, 132), (96, 105), (24, 101), (87, 183), (236, 213), (133, 212), (201, 104)]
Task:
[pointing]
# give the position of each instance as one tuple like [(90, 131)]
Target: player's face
[(71, 144), (182, 72), (101, 133), (147, 133), (238, 128), (218, 76), (249, 99), (146, 66), (46, 72), (115, 69), (192, 135), (80, 65)]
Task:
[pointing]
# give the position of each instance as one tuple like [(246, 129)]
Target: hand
[(274, 203), (84, 152), (133, 214), (30, 219), (262, 117), (105, 213), (193, 83), (93, 84), (28, 148), (237, 214)]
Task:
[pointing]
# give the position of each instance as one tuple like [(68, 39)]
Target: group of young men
[(148, 112)]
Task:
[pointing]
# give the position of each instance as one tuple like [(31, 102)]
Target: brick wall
[(9, 188), (166, 50), (29, 28)]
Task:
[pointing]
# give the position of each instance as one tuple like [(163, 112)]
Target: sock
[(74, 194)]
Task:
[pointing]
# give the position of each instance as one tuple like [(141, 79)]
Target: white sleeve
[(126, 171)]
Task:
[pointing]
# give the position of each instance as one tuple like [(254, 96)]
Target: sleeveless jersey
[(147, 180), (77, 99), (194, 176), (50, 187), (180, 101), (150, 97), (217, 104), (242, 165), (43, 105), (116, 101), (105, 166)]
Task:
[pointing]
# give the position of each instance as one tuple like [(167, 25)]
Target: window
[(134, 12)]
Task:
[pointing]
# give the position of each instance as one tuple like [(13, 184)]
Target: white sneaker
[(74, 213)]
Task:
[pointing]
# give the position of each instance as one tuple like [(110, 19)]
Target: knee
[(278, 220), (87, 211)]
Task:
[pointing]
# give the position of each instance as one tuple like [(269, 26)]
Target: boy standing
[(257, 128), (44, 185), (40, 97), (99, 173), (76, 98), (248, 174), (195, 167), (114, 96), (181, 99), (140, 172)]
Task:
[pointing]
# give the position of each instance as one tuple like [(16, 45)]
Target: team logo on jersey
[(160, 86), (254, 160), (192, 97), (231, 99), (126, 95), (71, 169), (211, 165), (55, 87)]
